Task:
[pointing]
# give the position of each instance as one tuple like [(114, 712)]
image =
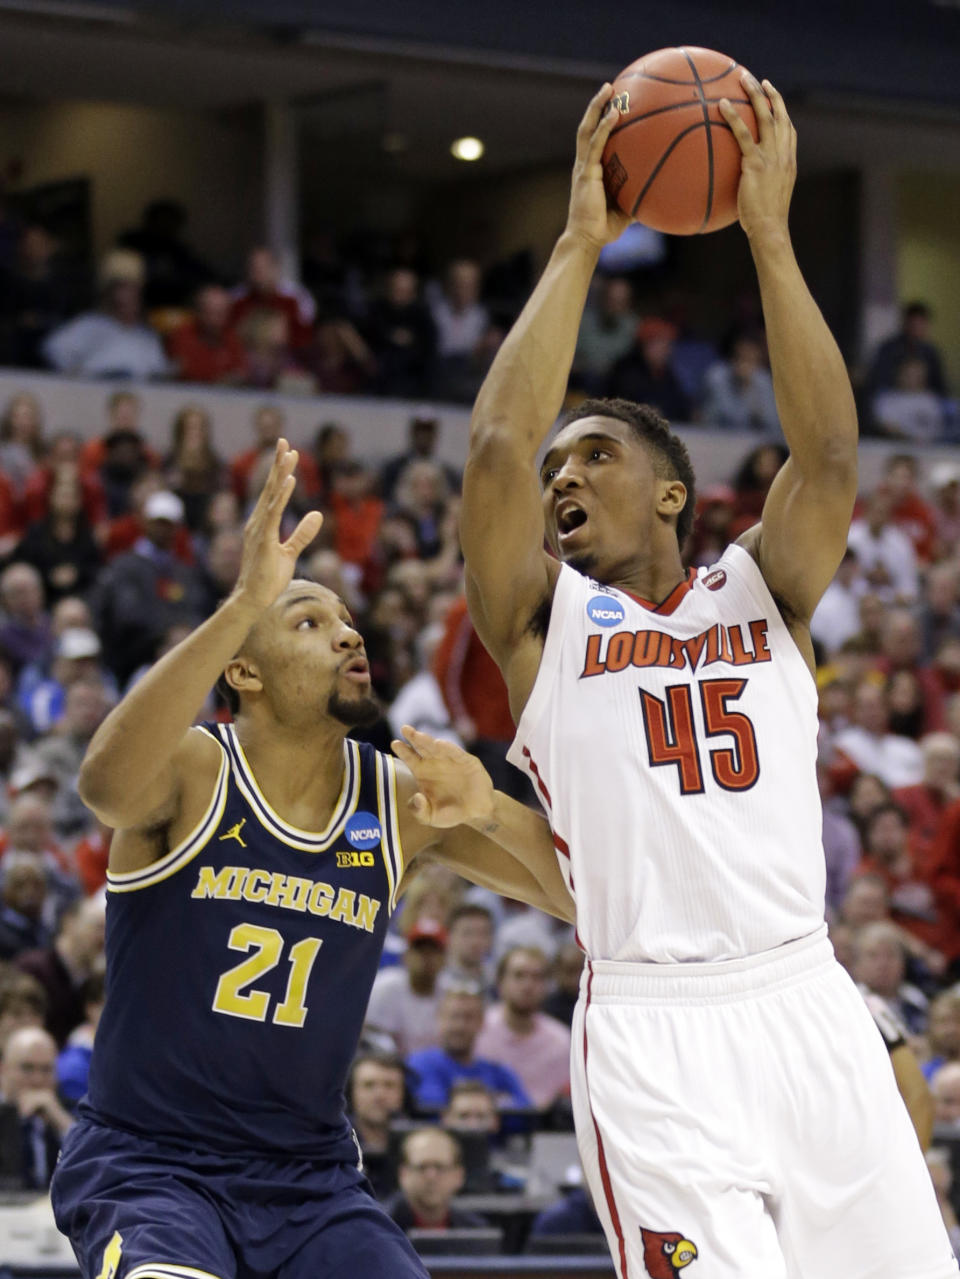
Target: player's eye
[(305, 622), (596, 454), (548, 474)]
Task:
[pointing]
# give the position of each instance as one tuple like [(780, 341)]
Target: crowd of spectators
[(373, 316), (112, 550)]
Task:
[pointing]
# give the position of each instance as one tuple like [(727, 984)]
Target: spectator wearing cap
[(113, 341), (454, 1056), (644, 374), (21, 912), (146, 592), (124, 532), (25, 632), (423, 433), (606, 332), (265, 289), (405, 997), (517, 1032), (738, 391), (78, 659), (62, 547)]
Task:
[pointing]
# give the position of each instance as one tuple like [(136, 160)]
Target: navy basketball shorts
[(140, 1209)]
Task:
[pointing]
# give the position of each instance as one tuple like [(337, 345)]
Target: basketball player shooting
[(251, 879), (735, 1107)]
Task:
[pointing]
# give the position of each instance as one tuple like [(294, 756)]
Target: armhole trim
[(390, 843)]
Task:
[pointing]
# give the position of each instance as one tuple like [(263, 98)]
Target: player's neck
[(300, 773), (652, 577)]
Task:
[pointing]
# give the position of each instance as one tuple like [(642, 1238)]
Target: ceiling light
[(467, 149)]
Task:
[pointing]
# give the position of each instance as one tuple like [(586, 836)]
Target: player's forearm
[(814, 397), (524, 390), (139, 737)]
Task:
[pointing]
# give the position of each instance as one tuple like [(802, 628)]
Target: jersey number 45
[(672, 737)]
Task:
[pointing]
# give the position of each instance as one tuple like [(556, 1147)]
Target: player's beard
[(584, 563), (355, 712)]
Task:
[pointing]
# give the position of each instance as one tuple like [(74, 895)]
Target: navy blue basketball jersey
[(239, 966)]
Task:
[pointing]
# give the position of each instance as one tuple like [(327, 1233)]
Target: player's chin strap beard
[(360, 712)]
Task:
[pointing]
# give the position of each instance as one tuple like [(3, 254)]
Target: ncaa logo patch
[(605, 611), (713, 581), (363, 830)]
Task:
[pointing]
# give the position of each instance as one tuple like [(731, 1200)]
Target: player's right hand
[(454, 787), (268, 564), (590, 215)]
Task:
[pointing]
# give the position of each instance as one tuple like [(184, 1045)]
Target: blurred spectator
[(841, 844), (901, 647), (945, 487), (606, 332), (926, 802), (938, 613), (339, 360), (880, 964), (25, 634), (29, 836), (376, 1092), (738, 391), (268, 423), (401, 336), (461, 322), (62, 547), (265, 289), (476, 698), (114, 341), (644, 374), (123, 533), (64, 454), (751, 483), (73, 1062), (172, 269), (22, 444), (405, 999), (910, 410), (837, 617), (869, 745), (912, 341), (91, 855), (331, 446), (85, 706), (517, 1033), (63, 967), (472, 1108), (911, 511), (121, 457), (23, 893), (356, 512), (28, 1085), (192, 468), (436, 1069), (943, 1031), (423, 431), (77, 658), (23, 1002), (420, 701), (572, 1214), (145, 592), (713, 526), (885, 553), (431, 1174), (567, 970), (37, 293), (470, 931), (221, 567), (271, 361), (420, 500), (205, 347), (945, 1087), (941, 1174)]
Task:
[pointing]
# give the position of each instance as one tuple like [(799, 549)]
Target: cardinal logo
[(666, 1253)]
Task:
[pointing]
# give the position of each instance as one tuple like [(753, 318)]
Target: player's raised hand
[(454, 787), (769, 166), (590, 215), (268, 564)]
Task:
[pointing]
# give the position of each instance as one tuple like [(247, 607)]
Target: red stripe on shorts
[(536, 772), (604, 1170)]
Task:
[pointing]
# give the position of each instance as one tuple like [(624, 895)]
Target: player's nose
[(568, 476), (347, 638)]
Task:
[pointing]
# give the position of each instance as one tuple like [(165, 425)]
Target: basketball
[(672, 161)]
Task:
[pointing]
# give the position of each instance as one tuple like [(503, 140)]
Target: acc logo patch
[(605, 611), (713, 581), (666, 1253), (363, 830)]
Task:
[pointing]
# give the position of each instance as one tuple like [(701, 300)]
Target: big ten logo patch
[(363, 830), (355, 859), (605, 611)]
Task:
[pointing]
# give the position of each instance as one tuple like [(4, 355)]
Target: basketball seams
[(662, 79), (678, 138), (678, 106), (706, 120)]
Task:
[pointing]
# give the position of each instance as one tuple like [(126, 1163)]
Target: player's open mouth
[(570, 519), (358, 671)]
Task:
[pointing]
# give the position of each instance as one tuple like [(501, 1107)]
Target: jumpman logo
[(234, 833)]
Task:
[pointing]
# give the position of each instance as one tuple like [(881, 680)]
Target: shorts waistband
[(606, 982)]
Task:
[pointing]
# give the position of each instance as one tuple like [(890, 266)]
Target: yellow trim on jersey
[(304, 840), (165, 1270), (128, 881)]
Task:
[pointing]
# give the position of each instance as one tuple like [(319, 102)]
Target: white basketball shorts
[(741, 1121)]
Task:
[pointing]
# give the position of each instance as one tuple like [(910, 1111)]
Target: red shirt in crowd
[(470, 679), (91, 856), (356, 525), (36, 496), (242, 468), (916, 518), (201, 361), (299, 334), (124, 532)]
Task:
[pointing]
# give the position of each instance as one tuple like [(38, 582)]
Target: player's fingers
[(760, 103), (405, 752), (305, 532), (421, 807), (270, 483), (737, 126), (607, 123), (425, 744), (778, 107), (591, 118)]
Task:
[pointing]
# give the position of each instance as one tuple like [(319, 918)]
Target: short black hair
[(671, 461)]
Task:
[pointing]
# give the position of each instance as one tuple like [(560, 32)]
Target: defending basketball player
[(735, 1108), (252, 875)]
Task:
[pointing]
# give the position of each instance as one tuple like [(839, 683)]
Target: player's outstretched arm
[(139, 757), (479, 832), (807, 513), (521, 396)]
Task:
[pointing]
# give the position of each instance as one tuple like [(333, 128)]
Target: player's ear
[(243, 675), (672, 497)]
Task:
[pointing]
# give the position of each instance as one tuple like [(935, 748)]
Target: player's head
[(302, 663), (617, 485)]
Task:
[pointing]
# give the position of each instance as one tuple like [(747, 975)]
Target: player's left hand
[(454, 787), (769, 167)]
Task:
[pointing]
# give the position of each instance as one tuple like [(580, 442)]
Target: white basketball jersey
[(674, 749)]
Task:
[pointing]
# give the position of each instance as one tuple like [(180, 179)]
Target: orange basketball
[(672, 161)]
